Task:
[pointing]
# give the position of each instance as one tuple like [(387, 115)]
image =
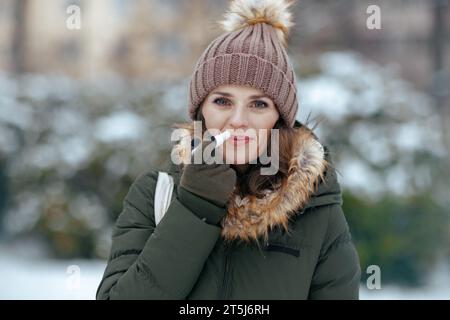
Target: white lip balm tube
[(221, 138), (218, 140)]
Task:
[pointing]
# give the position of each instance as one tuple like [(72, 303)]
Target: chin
[(238, 159), (240, 155)]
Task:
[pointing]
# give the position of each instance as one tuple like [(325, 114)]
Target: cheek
[(212, 120), (269, 117), (264, 135)]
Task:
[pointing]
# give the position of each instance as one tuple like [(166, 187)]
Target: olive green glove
[(211, 182)]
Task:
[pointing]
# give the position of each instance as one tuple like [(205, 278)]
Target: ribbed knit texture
[(252, 56)]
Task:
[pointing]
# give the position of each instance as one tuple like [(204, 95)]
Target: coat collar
[(311, 182)]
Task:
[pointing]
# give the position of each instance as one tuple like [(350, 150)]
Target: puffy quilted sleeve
[(337, 273), (155, 262)]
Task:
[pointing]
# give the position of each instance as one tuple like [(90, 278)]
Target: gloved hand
[(212, 182)]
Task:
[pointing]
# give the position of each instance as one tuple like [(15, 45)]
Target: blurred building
[(149, 39), (162, 39)]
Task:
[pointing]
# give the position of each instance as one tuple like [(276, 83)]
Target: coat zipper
[(224, 291)]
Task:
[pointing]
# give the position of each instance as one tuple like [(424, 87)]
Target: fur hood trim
[(250, 218)]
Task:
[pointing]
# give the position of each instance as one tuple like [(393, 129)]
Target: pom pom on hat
[(242, 13)]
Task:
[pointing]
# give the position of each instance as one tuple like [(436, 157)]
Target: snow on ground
[(49, 279), (78, 279), (395, 293)]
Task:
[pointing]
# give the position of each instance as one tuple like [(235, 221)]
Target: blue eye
[(220, 101), (260, 104)]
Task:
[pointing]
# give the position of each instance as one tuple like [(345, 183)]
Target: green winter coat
[(184, 257)]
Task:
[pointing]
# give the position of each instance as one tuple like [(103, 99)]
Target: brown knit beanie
[(251, 52)]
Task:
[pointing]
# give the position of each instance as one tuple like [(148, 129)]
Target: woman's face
[(244, 111)]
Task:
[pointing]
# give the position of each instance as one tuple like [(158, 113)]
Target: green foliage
[(403, 236)]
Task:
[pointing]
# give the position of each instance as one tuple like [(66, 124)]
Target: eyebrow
[(226, 94)]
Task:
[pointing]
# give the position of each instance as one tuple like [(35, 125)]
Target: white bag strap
[(163, 195)]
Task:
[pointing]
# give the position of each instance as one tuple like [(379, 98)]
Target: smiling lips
[(240, 140)]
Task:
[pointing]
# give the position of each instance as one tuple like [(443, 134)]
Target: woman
[(231, 232)]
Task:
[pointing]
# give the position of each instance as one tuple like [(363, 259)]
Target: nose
[(238, 119)]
